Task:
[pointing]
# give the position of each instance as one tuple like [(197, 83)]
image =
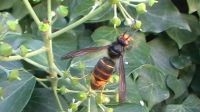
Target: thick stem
[(54, 82), (82, 20)]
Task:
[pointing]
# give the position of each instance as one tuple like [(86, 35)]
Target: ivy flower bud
[(73, 107), (5, 49), (63, 90), (137, 25), (12, 24), (23, 50), (44, 27), (101, 98), (14, 75), (82, 96), (116, 21), (114, 78), (62, 10), (141, 8)]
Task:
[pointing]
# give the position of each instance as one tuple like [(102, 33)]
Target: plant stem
[(80, 21), (32, 12), (18, 57), (48, 43), (50, 55), (36, 64), (54, 82), (89, 104)]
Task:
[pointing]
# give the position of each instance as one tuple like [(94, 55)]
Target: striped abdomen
[(102, 72)]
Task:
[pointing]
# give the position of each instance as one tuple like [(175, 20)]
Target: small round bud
[(66, 74), (114, 78), (74, 80), (62, 10), (114, 1), (82, 96), (63, 90), (137, 25), (73, 107), (141, 8), (5, 49), (116, 21), (101, 98), (14, 75), (23, 50), (12, 24), (44, 27)]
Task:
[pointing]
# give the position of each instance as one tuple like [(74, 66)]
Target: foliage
[(162, 65)]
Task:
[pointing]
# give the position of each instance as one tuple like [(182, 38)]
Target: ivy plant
[(162, 66)]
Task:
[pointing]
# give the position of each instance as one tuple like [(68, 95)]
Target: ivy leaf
[(162, 49), (138, 54), (157, 20), (6, 4), (43, 99), (133, 95), (62, 45), (130, 108), (105, 33), (178, 86), (17, 93), (193, 5), (17, 12), (180, 62), (80, 7), (191, 104), (183, 37), (151, 84)]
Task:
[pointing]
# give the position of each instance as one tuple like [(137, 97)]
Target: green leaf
[(138, 54), (62, 45), (130, 108), (43, 99), (183, 37), (151, 84), (195, 82), (133, 95), (180, 62), (6, 4), (103, 16), (162, 49), (178, 86), (17, 11), (162, 16), (17, 93), (191, 104), (80, 7), (193, 5), (105, 33)]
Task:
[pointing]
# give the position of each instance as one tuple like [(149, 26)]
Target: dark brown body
[(101, 73)]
